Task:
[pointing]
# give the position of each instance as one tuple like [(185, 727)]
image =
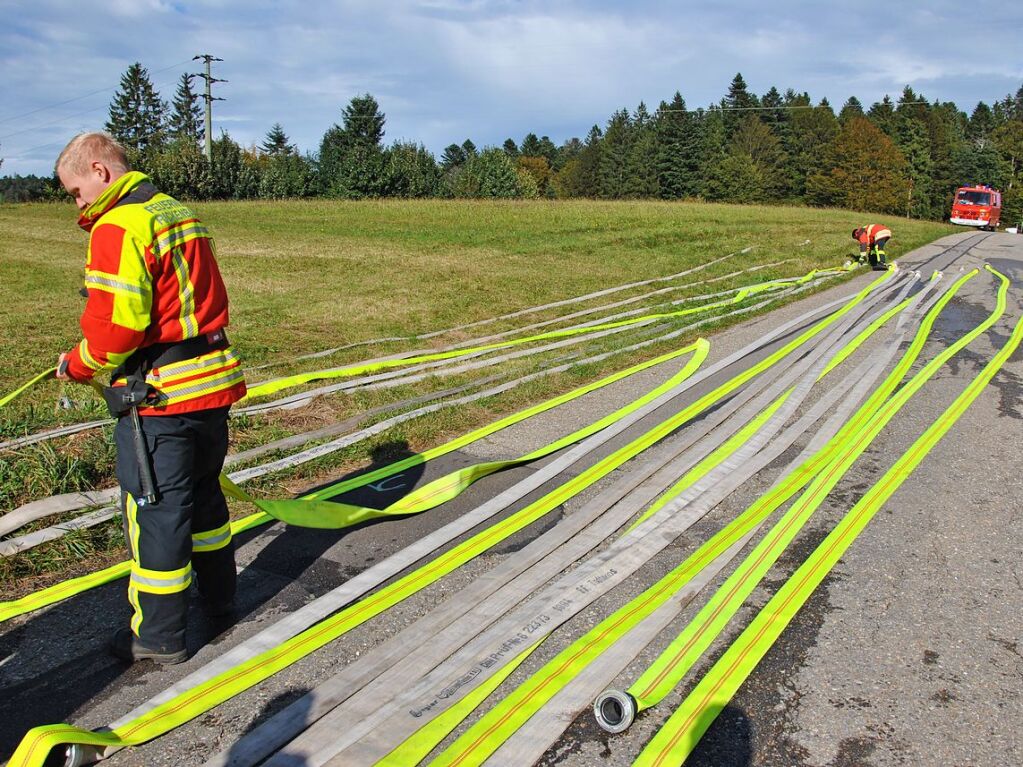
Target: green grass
[(314, 274), (309, 275)]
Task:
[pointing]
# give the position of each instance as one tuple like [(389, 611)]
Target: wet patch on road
[(1011, 268), (583, 730), (958, 318), (769, 696), (854, 752), (1010, 389)]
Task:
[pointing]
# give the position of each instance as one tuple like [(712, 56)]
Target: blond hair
[(86, 148)]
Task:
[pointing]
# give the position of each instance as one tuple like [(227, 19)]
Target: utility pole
[(209, 99)]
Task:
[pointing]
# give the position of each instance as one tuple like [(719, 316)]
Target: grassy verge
[(310, 275)]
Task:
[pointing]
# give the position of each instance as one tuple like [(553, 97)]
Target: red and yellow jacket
[(152, 278), (870, 233)]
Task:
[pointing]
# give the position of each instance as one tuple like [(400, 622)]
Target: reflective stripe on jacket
[(870, 233), (152, 277)]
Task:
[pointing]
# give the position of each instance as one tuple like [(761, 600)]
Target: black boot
[(126, 646)]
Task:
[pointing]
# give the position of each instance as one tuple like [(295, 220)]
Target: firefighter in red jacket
[(154, 321), (873, 238)]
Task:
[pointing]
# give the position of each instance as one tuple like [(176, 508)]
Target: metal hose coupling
[(79, 755), (614, 710)]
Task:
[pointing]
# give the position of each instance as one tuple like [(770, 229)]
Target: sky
[(443, 71)]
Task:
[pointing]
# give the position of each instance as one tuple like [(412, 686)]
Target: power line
[(43, 146), (771, 109), (83, 96), (71, 116), (714, 107), (52, 122)]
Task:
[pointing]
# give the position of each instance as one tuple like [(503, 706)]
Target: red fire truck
[(979, 206)]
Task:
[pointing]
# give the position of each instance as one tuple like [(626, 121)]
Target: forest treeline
[(902, 157)]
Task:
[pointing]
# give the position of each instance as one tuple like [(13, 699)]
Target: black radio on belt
[(136, 392)]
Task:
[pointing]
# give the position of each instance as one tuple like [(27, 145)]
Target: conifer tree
[(981, 165), (1014, 109), (797, 108), (796, 103), (981, 124), (852, 108), (712, 143), (737, 104), (549, 150), (882, 114), (452, 157), (351, 161), (185, 124), (641, 174), (913, 140), (137, 113), (776, 115), (568, 151), (330, 157), (772, 112), (276, 142), (946, 126), (530, 146), (811, 132), (1008, 139), (614, 156), (913, 103), (510, 148), (234, 178), (363, 122), (590, 159), (678, 150), (1009, 108)]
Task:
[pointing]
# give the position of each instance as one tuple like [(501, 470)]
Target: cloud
[(555, 60), (137, 9), (445, 70)]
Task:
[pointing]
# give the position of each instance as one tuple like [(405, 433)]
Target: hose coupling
[(615, 710)]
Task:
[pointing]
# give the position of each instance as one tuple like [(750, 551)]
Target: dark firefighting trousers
[(877, 254), (187, 530)]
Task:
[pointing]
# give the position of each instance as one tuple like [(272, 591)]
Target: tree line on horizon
[(899, 157)]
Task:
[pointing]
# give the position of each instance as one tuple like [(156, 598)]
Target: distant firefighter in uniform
[(873, 238)]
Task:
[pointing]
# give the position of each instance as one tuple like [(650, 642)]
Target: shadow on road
[(727, 743), (297, 551), (272, 707), (55, 663)]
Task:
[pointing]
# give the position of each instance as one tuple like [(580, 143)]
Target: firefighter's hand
[(62, 363)]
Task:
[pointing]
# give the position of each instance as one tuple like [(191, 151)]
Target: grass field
[(309, 275)]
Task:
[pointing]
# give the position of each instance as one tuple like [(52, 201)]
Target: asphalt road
[(908, 653)]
